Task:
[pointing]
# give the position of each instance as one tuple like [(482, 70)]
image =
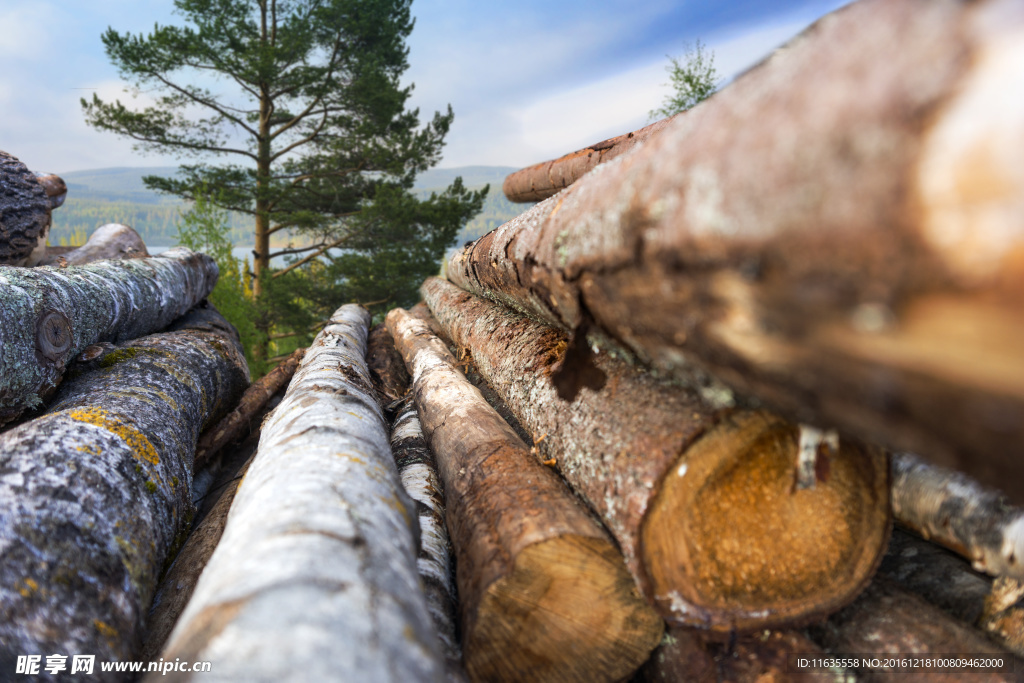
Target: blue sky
[(528, 81)]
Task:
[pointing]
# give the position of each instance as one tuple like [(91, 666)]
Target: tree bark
[(952, 510), (869, 281), (888, 623), (548, 178), (418, 471), (50, 315), (387, 369), (315, 575), (714, 548), (25, 211), (543, 592), (108, 242), (96, 493), (238, 422)]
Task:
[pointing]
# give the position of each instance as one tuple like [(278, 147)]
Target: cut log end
[(738, 483), (569, 611)]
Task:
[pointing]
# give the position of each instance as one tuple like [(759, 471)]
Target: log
[(50, 315), (418, 471), (715, 548), (544, 594), (95, 494), (548, 178), (387, 369), (888, 623), (24, 212), (954, 511), (108, 242), (315, 575), (870, 282), (237, 424)]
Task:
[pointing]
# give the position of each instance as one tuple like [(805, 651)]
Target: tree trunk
[(543, 180), (887, 623), (96, 492), (418, 471), (108, 242), (543, 593), (50, 315), (868, 281), (951, 509), (315, 576), (238, 422), (714, 548)]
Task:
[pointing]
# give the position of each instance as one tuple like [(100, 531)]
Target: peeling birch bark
[(315, 575), (543, 180), (95, 493), (108, 242), (238, 422), (418, 471), (50, 315), (871, 281), (1003, 614), (543, 592), (886, 622), (955, 511), (702, 499)]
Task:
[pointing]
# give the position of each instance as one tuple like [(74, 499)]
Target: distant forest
[(117, 195)]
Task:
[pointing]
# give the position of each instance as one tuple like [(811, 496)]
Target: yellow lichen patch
[(91, 449), (105, 629), (136, 440), (27, 588)]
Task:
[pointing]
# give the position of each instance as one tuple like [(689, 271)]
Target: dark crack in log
[(315, 575), (543, 592), (701, 498), (837, 232), (49, 315), (387, 369), (95, 494)]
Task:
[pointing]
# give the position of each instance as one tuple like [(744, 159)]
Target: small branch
[(309, 258)]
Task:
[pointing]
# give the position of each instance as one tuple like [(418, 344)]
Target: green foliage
[(204, 228), (693, 78)]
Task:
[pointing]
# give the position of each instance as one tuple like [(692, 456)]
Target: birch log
[(315, 575), (95, 493), (50, 315), (25, 211), (701, 498), (838, 232), (418, 471), (543, 593), (543, 180), (888, 623), (108, 242)]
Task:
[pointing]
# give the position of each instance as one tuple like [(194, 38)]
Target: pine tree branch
[(309, 258)]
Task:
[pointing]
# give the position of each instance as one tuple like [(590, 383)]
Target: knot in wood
[(53, 335)]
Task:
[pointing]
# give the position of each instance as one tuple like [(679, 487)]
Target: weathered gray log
[(49, 315), (315, 575), (543, 593), (238, 422), (24, 211), (837, 232), (418, 471), (887, 623), (713, 548), (545, 179), (108, 242), (955, 511), (96, 492)]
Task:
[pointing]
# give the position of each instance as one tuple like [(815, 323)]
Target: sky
[(528, 80)]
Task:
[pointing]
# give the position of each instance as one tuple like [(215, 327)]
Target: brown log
[(111, 241), (701, 498), (837, 232), (387, 369), (239, 422), (886, 622), (544, 594), (545, 179)]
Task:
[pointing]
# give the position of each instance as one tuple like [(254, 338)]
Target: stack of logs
[(656, 428)]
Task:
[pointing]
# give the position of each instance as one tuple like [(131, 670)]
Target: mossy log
[(701, 498), (545, 179), (315, 575), (418, 471), (108, 242), (837, 232), (49, 315), (543, 592), (886, 622), (95, 493)]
